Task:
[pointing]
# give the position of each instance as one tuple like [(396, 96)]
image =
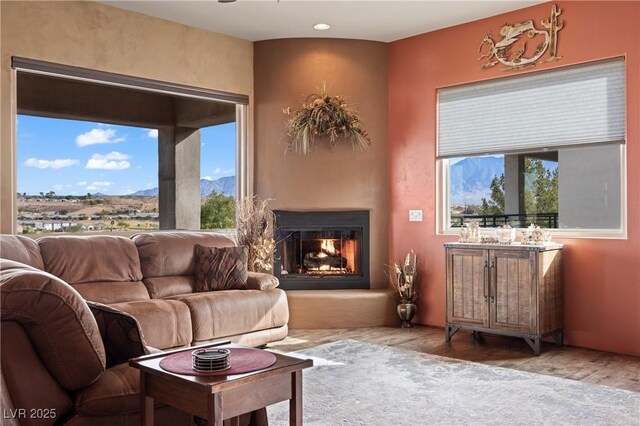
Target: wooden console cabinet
[(514, 290)]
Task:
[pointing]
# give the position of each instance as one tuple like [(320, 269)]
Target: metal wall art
[(512, 50)]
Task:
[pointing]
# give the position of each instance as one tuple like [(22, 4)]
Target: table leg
[(215, 410), (295, 403), (146, 408)]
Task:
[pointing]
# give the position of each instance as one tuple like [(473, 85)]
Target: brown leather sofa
[(53, 358), (52, 353)]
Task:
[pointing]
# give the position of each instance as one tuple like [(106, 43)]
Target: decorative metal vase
[(406, 311)]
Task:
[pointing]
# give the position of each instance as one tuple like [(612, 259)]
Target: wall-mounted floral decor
[(322, 115)]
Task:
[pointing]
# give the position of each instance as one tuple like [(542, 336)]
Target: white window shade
[(571, 106)]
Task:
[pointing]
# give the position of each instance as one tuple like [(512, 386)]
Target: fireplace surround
[(322, 250)]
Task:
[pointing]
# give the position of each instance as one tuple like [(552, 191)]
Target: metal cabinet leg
[(536, 346), (534, 343), (559, 337), (449, 331)]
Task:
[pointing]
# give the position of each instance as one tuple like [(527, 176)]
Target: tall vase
[(406, 311)]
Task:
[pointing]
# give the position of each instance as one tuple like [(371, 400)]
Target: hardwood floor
[(604, 368)]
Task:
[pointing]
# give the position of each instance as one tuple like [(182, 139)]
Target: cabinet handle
[(487, 278)]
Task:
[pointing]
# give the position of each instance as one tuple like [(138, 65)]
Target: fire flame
[(328, 247)]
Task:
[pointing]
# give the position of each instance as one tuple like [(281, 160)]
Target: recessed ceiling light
[(321, 26)]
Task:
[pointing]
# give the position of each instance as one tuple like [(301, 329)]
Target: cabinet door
[(467, 286), (512, 290)]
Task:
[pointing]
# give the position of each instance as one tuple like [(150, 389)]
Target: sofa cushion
[(162, 416), (112, 292), (21, 249), (25, 379), (163, 287), (164, 323), (103, 268), (217, 314), (121, 334), (261, 281), (116, 392), (57, 320), (171, 254), (220, 268)]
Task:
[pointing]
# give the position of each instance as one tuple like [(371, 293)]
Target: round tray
[(243, 360)]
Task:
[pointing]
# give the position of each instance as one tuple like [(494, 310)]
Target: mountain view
[(470, 179), (224, 185)]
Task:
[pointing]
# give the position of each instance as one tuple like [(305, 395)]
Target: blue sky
[(75, 157)]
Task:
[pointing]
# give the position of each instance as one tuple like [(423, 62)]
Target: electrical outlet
[(415, 215)]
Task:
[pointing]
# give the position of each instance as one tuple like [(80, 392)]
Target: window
[(150, 152), (80, 176), (546, 148), (573, 188), (218, 184)]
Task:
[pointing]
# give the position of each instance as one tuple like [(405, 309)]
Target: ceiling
[(379, 20)]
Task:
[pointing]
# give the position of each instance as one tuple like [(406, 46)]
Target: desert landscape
[(86, 213)]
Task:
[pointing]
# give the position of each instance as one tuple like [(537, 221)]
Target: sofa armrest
[(261, 281)]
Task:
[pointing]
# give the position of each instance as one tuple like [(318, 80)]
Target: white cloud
[(50, 164), (218, 171), (153, 133), (115, 155), (58, 187), (98, 136), (98, 185), (111, 161), (82, 183), (207, 177), (138, 167)]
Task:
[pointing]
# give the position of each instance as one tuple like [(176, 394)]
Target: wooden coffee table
[(216, 398)]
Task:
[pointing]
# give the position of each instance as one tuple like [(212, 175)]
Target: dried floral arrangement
[(255, 223), (324, 115), (404, 276)]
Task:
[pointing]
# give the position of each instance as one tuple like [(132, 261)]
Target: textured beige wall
[(285, 72), (92, 35)]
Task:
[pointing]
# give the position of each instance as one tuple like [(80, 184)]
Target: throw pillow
[(121, 334), (220, 268)]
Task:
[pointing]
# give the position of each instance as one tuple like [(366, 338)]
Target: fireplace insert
[(322, 250)]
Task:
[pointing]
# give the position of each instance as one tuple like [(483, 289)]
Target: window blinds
[(571, 106)]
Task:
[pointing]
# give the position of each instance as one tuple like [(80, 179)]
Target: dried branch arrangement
[(404, 276), (255, 229), (324, 115)]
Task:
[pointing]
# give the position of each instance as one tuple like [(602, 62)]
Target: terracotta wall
[(602, 276), (285, 72), (93, 35)]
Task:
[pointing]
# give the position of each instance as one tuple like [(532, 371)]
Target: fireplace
[(322, 250)]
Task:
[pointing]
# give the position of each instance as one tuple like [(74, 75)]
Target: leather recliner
[(53, 362)]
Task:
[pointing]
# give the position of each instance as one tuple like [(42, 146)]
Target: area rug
[(357, 383)]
